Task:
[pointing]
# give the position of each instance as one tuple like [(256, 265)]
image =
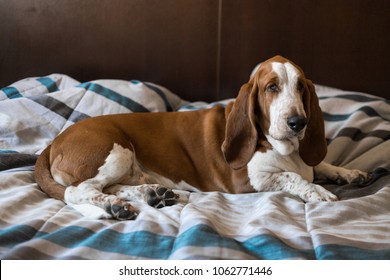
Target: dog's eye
[(300, 86), (272, 88)]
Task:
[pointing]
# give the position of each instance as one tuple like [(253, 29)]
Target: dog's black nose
[(296, 123)]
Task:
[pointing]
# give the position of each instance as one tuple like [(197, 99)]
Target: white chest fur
[(263, 165)]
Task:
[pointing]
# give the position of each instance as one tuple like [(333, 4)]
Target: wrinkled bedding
[(269, 225)]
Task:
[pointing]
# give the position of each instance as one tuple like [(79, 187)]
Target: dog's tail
[(44, 177)]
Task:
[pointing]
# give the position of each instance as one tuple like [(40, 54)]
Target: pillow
[(34, 111)]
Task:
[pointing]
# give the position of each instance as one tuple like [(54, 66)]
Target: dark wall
[(201, 49)]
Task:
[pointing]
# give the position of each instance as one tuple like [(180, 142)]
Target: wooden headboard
[(200, 49)]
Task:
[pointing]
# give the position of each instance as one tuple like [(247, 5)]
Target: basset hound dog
[(271, 138)]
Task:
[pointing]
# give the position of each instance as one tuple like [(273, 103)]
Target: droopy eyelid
[(272, 87)]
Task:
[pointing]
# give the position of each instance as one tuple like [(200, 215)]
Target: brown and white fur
[(271, 138)]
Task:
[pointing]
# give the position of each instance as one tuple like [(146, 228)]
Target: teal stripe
[(342, 117), (140, 243), (151, 245), (8, 152), (357, 135), (205, 236), (193, 107), (15, 235), (160, 93), (201, 107), (11, 92), (260, 247), (356, 97), (271, 248), (339, 252), (49, 83), (59, 107), (114, 96)]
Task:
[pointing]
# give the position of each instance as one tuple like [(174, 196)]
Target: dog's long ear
[(241, 133), (313, 147)]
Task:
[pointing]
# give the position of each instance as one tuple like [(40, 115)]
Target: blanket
[(214, 225)]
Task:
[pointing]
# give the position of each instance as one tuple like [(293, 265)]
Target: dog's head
[(277, 104)]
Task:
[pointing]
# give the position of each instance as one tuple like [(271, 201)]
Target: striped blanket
[(269, 225)]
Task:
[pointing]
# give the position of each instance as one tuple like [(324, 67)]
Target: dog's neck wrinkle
[(284, 147)]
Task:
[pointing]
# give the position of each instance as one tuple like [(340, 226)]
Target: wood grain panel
[(173, 43), (338, 43), (201, 49)]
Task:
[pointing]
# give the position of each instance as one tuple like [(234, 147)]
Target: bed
[(134, 76), (207, 225)]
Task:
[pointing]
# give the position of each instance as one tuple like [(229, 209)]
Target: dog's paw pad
[(122, 211), (161, 191), (161, 197), (361, 178)]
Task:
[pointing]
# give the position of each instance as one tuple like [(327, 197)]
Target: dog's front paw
[(351, 176), (318, 193), (159, 197)]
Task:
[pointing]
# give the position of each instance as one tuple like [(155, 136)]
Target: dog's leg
[(154, 195), (89, 193), (117, 167), (292, 183), (339, 174)]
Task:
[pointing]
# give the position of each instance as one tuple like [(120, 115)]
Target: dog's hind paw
[(159, 197), (122, 211)]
